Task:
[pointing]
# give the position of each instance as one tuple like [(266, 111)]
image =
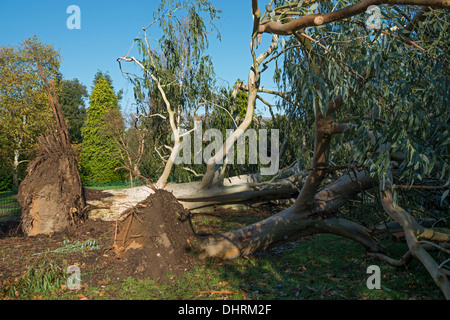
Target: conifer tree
[(99, 155)]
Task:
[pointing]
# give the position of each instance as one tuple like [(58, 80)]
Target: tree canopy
[(24, 111), (72, 99)]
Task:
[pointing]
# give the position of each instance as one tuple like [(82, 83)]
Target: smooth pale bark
[(162, 181), (343, 189), (16, 169), (286, 226), (246, 189), (242, 193)]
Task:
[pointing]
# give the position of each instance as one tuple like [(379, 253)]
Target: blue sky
[(108, 28)]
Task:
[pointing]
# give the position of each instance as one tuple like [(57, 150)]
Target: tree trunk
[(162, 181), (16, 170)]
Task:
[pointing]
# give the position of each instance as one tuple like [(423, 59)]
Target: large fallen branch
[(291, 224)]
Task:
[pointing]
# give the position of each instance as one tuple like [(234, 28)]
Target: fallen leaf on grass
[(223, 283)]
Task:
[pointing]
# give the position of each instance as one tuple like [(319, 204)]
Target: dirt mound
[(153, 238)]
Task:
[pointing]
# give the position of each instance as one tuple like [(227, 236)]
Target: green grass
[(9, 207), (114, 185), (44, 277)]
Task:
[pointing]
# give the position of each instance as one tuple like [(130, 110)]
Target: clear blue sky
[(108, 28)]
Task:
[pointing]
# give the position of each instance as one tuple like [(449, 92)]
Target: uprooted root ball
[(153, 238)]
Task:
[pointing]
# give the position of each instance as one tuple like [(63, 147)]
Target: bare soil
[(154, 238), (151, 240)]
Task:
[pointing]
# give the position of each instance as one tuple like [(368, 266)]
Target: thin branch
[(405, 259), (423, 187), (149, 183), (192, 171)]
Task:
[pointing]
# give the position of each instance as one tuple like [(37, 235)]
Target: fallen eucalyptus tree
[(329, 83)]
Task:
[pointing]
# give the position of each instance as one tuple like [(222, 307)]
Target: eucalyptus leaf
[(314, 6), (444, 196)]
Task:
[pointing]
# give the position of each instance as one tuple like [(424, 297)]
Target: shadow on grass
[(326, 267)]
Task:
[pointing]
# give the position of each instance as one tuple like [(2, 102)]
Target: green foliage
[(179, 63), (115, 185), (71, 99), (43, 277), (183, 69), (70, 247), (99, 154), (105, 75), (5, 177), (24, 111), (408, 102), (403, 106)]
